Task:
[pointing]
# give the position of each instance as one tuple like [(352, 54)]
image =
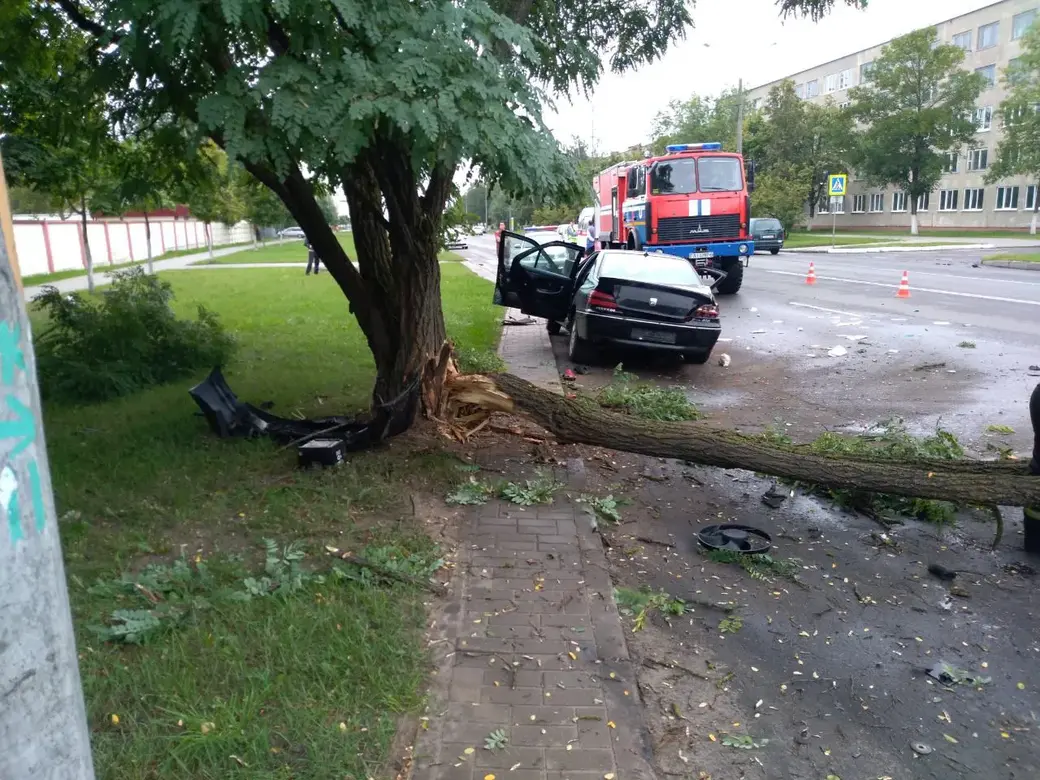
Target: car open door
[(536, 278)]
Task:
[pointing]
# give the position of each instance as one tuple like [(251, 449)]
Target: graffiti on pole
[(17, 436)]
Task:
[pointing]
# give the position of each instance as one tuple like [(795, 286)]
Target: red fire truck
[(693, 201)]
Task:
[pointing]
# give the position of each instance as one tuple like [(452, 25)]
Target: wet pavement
[(826, 674)]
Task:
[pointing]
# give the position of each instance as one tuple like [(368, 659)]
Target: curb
[(868, 249), (1025, 265)]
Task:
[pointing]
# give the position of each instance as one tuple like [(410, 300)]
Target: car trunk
[(653, 301)]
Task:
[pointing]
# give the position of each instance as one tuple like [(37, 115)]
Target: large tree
[(384, 100), (1018, 152), (917, 108)]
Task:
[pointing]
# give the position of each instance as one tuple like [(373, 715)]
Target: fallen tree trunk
[(1004, 483)]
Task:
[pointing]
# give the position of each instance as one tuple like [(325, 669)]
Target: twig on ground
[(648, 540), (433, 587), (675, 667), (1000, 525)]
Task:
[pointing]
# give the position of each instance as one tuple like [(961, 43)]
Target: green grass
[(925, 231), (802, 240), (36, 279), (142, 479), (294, 252), (1022, 257)]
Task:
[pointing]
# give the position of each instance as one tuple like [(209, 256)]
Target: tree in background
[(327, 204), (260, 205), (780, 193), (918, 107), (211, 190), (1018, 152)]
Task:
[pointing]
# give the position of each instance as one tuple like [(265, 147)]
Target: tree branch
[(80, 19)]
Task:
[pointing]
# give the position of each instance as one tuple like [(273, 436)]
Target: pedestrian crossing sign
[(837, 184)]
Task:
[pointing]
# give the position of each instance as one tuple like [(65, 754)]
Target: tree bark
[(1004, 483), (86, 246), (1036, 210), (209, 239), (148, 239)]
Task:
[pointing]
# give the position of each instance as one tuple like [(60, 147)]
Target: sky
[(731, 40)]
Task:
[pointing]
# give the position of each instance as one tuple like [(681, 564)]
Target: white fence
[(46, 245)]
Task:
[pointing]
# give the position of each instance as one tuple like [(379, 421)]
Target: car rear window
[(660, 269), (766, 224)]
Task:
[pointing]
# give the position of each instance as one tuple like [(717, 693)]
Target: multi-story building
[(991, 38)]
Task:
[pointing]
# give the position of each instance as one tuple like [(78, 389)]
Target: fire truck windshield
[(720, 174), (675, 177)]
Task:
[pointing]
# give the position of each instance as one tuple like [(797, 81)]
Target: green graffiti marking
[(11, 355)]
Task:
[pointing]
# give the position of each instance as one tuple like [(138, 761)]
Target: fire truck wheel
[(553, 327), (633, 242), (731, 284)]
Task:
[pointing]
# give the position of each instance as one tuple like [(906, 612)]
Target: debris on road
[(569, 375), (838, 351), (737, 538), (941, 572), (951, 675), (724, 360), (774, 497)]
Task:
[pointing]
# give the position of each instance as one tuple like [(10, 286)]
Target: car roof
[(543, 236), (629, 254)]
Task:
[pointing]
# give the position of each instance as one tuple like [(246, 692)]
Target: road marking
[(916, 289), (935, 273), (823, 308)]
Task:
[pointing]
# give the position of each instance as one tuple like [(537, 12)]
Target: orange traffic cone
[(904, 286), (810, 278)]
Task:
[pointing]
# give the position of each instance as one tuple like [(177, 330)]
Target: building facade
[(991, 39)]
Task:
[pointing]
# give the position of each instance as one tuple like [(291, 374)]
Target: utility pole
[(740, 116), (43, 723)]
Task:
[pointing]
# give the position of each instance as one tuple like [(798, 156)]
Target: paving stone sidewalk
[(530, 642)]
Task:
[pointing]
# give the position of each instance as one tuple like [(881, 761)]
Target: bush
[(123, 340)]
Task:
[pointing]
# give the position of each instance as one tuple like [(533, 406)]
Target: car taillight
[(602, 300), (708, 311)]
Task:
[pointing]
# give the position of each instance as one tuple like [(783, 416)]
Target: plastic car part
[(228, 416), (738, 538)]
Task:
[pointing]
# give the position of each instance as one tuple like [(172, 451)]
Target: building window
[(839, 205), (845, 79), (922, 202), (1016, 72), (988, 35), (845, 104), (962, 40), (973, 199), (951, 162), (823, 205), (812, 88), (877, 201), (983, 118), (898, 201), (948, 200), (859, 204), (865, 71), (1007, 198), (1021, 23), (989, 73), (1031, 197), (831, 82), (799, 90), (978, 159)]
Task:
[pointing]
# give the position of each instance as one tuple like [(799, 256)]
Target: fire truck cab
[(693, 201)]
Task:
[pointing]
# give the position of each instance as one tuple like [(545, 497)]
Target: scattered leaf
[(951, 740)]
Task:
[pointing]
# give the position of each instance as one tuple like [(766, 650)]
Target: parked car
[(291, 232), (767, 233), (455, 240), (479, 229), (611, 298)]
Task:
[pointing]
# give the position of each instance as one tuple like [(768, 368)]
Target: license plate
[(705, 255), (657, 336), (768, 235)]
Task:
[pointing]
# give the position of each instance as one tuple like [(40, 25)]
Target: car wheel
[(578, 349), (698, 358), (731, 284), (774, 251), (553, 327)]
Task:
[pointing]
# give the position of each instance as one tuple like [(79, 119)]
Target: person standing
[(592, 237), (312, 258)]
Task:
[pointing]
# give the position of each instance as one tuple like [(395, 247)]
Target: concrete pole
[(740, 116), (43, 723)]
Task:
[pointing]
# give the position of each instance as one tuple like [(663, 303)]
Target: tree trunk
[(86, 246), (913, 217), (209, 239), (1003, 483), (148, 239), (812, 211), (1036, 210)]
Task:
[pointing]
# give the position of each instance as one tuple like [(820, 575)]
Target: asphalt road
[(907, 358)]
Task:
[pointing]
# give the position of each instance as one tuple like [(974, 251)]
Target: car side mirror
[(751, 176)]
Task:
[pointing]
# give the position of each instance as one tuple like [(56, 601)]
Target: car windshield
[(674, 177), (654, 269), (765, 224), (720, 174)]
